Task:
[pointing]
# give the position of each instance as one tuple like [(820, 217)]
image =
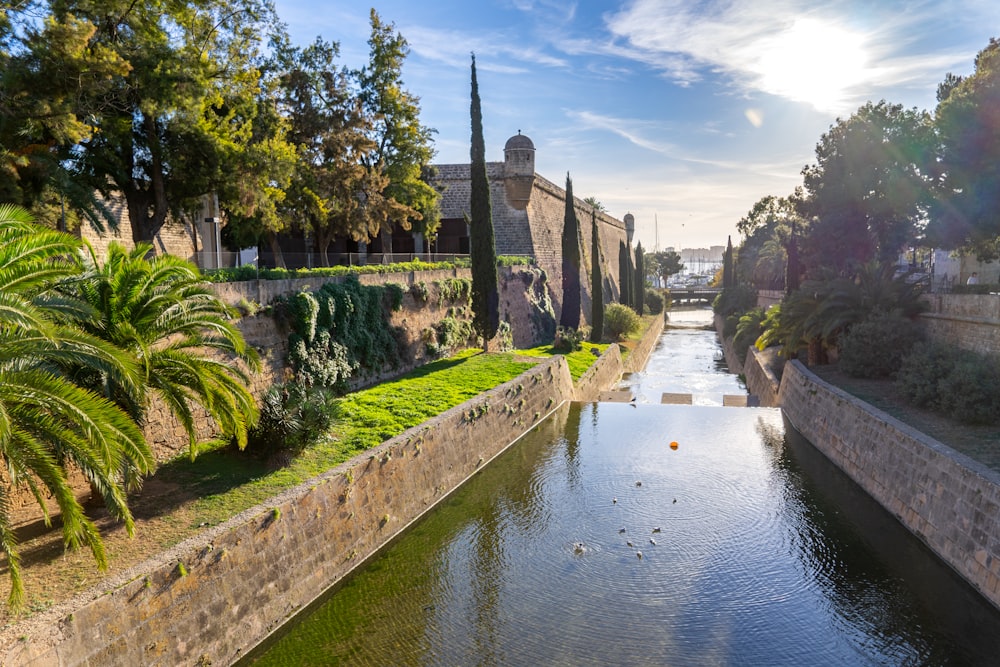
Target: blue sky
[(683, 113)]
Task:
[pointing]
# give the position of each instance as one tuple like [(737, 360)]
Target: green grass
[(226, 483), (578, 361)]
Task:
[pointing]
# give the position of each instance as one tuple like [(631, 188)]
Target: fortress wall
[(537, 230)]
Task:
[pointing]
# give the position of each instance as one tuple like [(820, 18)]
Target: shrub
[(620, 321), (292, 418), (654, 301), (735, 300), (959, 383), (971, 391), (568, 339), (448, 334), (748, 330), (875, 347), (921, 370)]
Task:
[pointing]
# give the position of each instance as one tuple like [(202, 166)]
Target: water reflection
[(763, 552), (753, 562), (687, 359)]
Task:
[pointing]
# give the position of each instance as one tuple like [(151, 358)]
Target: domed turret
[(629, 221), (518, 170)]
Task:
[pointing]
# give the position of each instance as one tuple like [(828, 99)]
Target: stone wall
[(604, 374), (636, 360), (174, 238), (536, 231), (967, 321), (760, 378), (215, 596), (946, 499)]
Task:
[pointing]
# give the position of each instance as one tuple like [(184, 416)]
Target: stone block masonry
[(215, 596), (946, 499)]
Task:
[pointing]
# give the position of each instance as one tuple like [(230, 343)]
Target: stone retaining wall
[(945, 498), (760, 378), (215, 596), (967, 321), (604, 374), (636, 360)]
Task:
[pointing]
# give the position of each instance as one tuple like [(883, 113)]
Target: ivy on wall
[(342, 329)]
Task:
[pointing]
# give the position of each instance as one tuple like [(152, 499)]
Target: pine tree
[(624, 275), (596, 283), (639, 278), (482, 245), (570, 316)]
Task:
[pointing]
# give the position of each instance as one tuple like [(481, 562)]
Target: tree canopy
[(966, 205), (864, 193), (164, 104)]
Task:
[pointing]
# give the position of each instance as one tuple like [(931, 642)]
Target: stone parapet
[(215, 596), (946, 499)]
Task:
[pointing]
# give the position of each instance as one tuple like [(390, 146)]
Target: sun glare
[(812, 62)]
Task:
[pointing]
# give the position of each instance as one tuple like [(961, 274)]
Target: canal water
[(647, 534)]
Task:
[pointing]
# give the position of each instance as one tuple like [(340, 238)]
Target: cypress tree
[(728, 279), (639, 277), (482, 244), (596, 283), (570, 316), (624, 275)]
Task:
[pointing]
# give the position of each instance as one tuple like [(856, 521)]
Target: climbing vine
[(343, 328)]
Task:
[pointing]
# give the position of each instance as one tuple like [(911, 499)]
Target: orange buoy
[(673, 445)]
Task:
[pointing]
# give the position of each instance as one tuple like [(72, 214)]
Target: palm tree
[(820, 311), (48, 424), (162, 311)]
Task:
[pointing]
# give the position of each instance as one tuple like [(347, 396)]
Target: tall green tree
[(174, 123), (482, 244), (333, 193), (52, 74), (48, 423), (624, 275), (638, 291), (570, 315), (162, 311), (728, 272), (596, 281), (966, 208), (403, 147), (865, 192)]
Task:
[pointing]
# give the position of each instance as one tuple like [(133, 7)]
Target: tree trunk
[(272, 241)]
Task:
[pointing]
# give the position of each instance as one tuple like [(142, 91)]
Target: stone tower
[(518, 170), (629, 221)]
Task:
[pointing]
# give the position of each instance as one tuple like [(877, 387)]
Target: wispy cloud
[(831, 55), (453, 48), (635, 131)]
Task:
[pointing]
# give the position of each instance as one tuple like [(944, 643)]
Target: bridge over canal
[(694, 294)]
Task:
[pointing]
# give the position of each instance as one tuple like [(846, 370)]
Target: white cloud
[(828, 55), (453, 48)]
